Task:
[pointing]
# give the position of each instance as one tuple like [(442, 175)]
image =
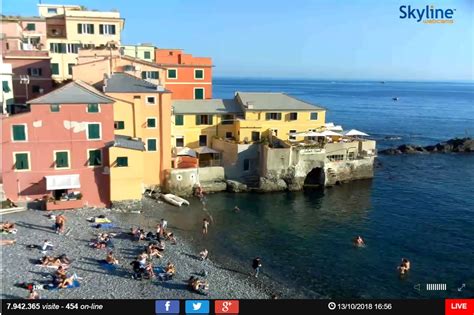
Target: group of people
[(59, 261), (197, 285), (103, 241), (7, 228)]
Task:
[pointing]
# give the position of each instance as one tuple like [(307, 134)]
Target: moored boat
[(175, 200)]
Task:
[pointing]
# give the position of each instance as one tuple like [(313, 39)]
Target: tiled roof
[(212, 106), (272, 101), (75, 92), (126, 83)]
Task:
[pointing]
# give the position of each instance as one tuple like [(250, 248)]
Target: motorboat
[(395, 98), (175, 200)]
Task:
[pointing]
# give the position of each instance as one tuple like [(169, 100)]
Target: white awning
[(205, 150), (355, 132), (329, 133), (62, 182)]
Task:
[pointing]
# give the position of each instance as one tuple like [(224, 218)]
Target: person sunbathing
[(66, 281), (8, 227), (170, 237), (152, 250), (170, 269), (7, 242), (203, 255), (198, 285), (161, 246), (61, 261), (110, 259), (149, 271)]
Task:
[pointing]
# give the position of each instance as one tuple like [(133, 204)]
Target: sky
[(320, 39)]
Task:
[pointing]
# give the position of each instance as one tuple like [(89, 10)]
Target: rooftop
[(127, 143), (206, 106), (22, 18), (75, 92), (253, 101), (125, 83)]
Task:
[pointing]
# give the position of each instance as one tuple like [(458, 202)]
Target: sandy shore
[(18, 262)]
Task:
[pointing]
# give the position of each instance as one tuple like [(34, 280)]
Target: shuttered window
[(172, 73), (21, 161), (151, 122), (54, 108), (122, 161), (314, 116), (54, 68), (93, 131), (93, 108), (203, 119), (62, 159), (198, 93), (198, 74), (5, 86), (31, 27), (95, 158), (151, 145), (147, 55), (179, 120), (273, 116), (19, 132), (119, 125)]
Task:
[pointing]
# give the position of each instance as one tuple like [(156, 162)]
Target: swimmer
[(205, 226), (203, 255), (236, 209), (358, 241)]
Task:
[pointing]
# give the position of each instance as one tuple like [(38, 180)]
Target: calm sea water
[(420, 207)]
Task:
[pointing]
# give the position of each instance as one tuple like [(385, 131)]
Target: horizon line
[(341, 79)]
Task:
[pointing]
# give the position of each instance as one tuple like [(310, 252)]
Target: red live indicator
[(459, 306)]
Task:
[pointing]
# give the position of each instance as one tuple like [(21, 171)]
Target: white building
[(7, 86)]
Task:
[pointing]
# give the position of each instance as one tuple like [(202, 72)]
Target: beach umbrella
[(354, 132), (330, 133), (335, 128)]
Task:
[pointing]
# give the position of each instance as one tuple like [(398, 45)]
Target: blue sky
[(300, 39)]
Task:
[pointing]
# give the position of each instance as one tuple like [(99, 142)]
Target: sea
[(419, 207)]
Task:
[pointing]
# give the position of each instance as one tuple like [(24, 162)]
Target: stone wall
[(233, 157), (182, 181)]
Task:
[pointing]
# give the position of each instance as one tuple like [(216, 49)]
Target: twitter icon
[(197, 307)]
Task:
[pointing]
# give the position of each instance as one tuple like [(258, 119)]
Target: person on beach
[(8, 227), (152, 251), (256, 265), (358, 241), (170, 271), (59, 225), (7, 242), (170, 237), (33, 295), (110, 259), (137, 270), (61, 261), (205, 226), (203, 255), (164, 224), (47, 245)]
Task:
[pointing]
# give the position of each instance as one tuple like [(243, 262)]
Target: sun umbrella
[(354, 132), (329, 133)]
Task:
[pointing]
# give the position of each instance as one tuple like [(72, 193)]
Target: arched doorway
[(315, 178)]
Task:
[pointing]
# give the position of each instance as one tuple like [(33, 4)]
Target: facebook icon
[(167, 307)]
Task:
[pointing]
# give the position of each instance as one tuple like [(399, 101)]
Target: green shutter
[(198, 120), (210, 119), (19, 133), (54, 108), (122, 161), (30, 26), (154, 75), (94, 131), (179, 120), (95, 158), (172, 74), (151, 145), (199, 74), (278, 116), (143, 75), (119, 125), (69, 68), (62, 159), (199, 94), (93, 108), (54, 68), (92, 28), (147, 55), (21, 161), (151, 122), (112, 29), (101, 28), (62, 48), (79, 28), (267, 116), (5, 86)]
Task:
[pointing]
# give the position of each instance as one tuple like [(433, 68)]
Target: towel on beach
[(104, 225), (159, 269), (105, 265), (75, 284)]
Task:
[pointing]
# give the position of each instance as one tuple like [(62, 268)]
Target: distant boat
[(382, 82), (175, 200), (395, 98)]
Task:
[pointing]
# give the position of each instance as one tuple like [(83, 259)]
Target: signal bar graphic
[(436, 286)]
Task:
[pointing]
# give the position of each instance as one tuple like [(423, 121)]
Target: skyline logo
[(197, 307), (428, 15), (167, 307)]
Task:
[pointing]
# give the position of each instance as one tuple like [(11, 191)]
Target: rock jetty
[(455, 145)]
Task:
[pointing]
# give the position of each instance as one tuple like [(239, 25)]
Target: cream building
[(72, 27), (141, 51)]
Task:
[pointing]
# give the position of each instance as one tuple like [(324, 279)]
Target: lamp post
[(25, 79)]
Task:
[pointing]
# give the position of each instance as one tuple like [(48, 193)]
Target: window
[(150, 100), (31, 26), (5, 87), (69, 68), (151, 144), (52, 10), (22, 161), (95, 157), (54, 108), (61, 159), (227, 119), (314, 116), (336, 157), (202, 140), (85, 28), (179, 141), (246, 164), (150, 75), (93, 131), (58, 48), (228, 135), (19, 132), (119, 125), (35, 88), (72, 48), (273, 116), (128, 68), (172, 74), (151, 122), (34, 72), (203, 119), (147, 55), (93, 108), (351, 156), (198, 74), (55, 68), (292, 137), (293, 116), (198, 93), (107, 29), (122, 161), (87, 46), (179, 120), (255, 136)]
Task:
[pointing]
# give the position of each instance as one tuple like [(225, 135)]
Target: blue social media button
[(197, 307), (167, 307)]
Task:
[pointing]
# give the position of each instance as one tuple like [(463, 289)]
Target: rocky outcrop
[(453, 145), (268, 184), (216, 186), (235, 186)]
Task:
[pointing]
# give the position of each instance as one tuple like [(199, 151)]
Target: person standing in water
[(205, 226), (257, 264)]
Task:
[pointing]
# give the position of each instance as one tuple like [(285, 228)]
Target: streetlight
[(25, 79)]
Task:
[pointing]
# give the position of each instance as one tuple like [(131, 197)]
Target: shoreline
[(227, 279)]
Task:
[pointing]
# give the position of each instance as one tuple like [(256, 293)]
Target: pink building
[(23, 33), (57, 151)]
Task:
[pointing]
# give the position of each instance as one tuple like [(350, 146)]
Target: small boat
[(395, 98), (175, 200)]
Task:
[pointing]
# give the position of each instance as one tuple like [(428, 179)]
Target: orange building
[(188, 77)]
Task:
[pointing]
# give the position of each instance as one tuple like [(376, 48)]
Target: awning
[(185, 151), (204, 150), (329, 133), (62, 182), (355, 132)]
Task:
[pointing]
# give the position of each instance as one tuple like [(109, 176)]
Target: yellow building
[(72, 27), (141, 152), (247, 118)]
